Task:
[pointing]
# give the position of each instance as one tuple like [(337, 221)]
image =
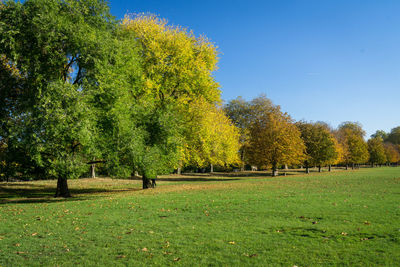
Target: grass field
[(338, 218)]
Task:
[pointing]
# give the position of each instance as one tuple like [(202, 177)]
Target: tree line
[(80, 89), (270, 138)]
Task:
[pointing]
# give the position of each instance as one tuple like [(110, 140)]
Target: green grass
[(339, 218)]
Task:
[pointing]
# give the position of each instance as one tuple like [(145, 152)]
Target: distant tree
[(212, 137), (392, 153), (320, 144), (242, 114), (376, 151), (350, 136), (274, 139), (353, 127), (394, 136), (381, 134)]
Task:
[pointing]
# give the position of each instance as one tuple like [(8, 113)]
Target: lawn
[(338, 218)]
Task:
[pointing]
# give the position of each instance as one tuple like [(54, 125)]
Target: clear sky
[(331, 60)]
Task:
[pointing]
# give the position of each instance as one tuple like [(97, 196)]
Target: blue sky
[(331, 60)]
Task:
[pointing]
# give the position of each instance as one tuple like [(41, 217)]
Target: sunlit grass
[(339, 218)]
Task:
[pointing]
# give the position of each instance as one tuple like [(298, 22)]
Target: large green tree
[(53, 51)]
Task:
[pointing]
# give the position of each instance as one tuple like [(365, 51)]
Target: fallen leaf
[(250, 255), (177, 259), (144, 249), (17, 245), (343, 233), (314, 222), (34, 234), (232, 242), (20, 252), (121, 256)]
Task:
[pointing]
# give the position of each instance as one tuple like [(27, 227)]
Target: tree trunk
[(329, 167), (146, 182), (286, 167), (93, 171), (211, 168), (319, 168), (307, 168), (352, 166), (179, 171), (242, 158), (347, 167), (274, 170), (62, 188)]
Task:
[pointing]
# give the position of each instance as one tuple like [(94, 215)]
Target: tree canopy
[(320, 145), (274, 139)]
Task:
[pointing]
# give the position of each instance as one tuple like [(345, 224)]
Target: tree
[(392, 153), (376, 151), (394, 136), (274, 139), (54, 50), (177, 72), (177, 66), (239, 111), (380, 133), (320, 144), (350, 136), (212, 138)]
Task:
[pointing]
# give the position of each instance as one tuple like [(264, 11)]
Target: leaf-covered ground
[(339, 218)]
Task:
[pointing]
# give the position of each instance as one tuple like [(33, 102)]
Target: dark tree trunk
[(242, 158), (307, 168), (146, 182), (329, 167), (319, 168), (62, 188), (352, 166), (347, 167)]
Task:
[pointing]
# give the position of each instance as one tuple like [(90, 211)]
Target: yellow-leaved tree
[(211, 138), (274, 139), (177, 70), (177, 65)]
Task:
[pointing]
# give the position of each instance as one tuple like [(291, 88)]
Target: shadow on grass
[(35, 193)]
